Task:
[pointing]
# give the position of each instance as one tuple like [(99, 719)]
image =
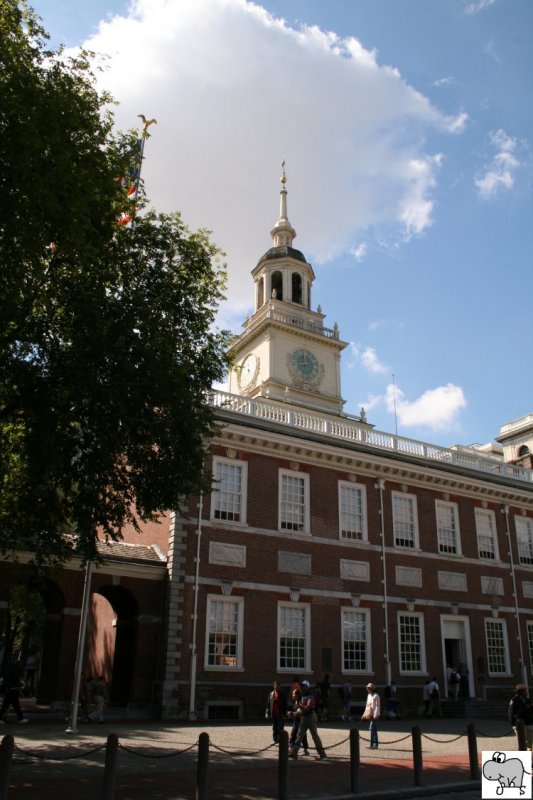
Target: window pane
[(351, 512), (495, 646), (404, 521), (223, 633), (486, 538), (292, 638), (524, 533), (446, 528), (410, 644), (228, 491), (354, 635), (292, 503)]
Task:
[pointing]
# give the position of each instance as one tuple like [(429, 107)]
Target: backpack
[(510, 712), (340, 692)]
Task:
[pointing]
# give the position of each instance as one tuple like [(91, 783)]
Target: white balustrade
[(353, 431)]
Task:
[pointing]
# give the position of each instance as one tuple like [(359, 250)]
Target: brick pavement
[(157, 761)]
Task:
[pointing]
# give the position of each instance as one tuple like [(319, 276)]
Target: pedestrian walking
[(520, 707), (432, 698), (276, 710), (308, 722), (296, 716), (372, 713), (11, 686), (98, 692), (346, 696)]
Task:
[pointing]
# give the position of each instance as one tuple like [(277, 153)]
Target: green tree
[(107, 340)]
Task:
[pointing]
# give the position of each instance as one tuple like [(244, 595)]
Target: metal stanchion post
[(355, 762), (417, 756), (472, 752), (203, 763), (520, 729), (283, 766), (110, 767), (7, 745)]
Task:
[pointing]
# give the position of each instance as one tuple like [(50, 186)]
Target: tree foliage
[(107, 339)]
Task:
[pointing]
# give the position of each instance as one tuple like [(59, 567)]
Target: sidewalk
[(158, 760)]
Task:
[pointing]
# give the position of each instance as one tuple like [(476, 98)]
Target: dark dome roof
[(283, 251)]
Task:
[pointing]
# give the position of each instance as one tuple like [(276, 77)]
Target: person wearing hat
[(308, 722), (371, 713), (520, 708)]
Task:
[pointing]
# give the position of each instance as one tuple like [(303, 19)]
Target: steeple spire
[(283, 233)]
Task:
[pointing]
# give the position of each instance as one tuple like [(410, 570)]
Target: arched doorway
[(112, 640)]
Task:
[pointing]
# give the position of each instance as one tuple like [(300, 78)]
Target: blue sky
[(406, 126)]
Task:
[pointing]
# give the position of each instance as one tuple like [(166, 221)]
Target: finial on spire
[(283, 176), (283, 233)]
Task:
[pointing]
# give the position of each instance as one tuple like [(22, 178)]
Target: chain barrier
[(510, 732), (443, 741), (44, 757), (235, 752), (170, 754)]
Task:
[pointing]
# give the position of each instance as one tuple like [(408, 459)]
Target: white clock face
[(248, 371)]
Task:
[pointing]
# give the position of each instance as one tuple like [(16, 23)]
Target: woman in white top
[(372, 713)]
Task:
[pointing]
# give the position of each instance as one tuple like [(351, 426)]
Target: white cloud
[(500, 172), (447, 81), (457, 124), (360, 251), (436, 409), (367, 358), (234, 92), (478, 6)]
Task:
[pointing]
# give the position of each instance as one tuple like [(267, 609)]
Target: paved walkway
[(158, 760)]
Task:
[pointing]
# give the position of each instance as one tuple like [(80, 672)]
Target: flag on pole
[(130, 182)]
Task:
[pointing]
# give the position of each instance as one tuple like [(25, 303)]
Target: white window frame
[(524, 539), (502, 625), (356, 615), (354, 534), (444, 532), (305, 519), (421, 645), (412, 499), (235, 602), (482, 515), (306, 609), (216, 492)]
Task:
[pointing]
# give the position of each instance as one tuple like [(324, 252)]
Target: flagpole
[(73, 721)]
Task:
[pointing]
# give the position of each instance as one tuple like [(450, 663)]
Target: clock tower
[(285, 352)]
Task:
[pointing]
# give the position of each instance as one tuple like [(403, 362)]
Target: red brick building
[(328, 546), (325, 545)]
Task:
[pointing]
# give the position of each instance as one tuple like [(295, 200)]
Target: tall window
[(497, 650), (228, 498), (412, 658), (293, 501), (487, 543), (352, 511), (296, 288), (355, 640), (224, 632), (404, 520), (447, 527), (524, 537), (293, 636)]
